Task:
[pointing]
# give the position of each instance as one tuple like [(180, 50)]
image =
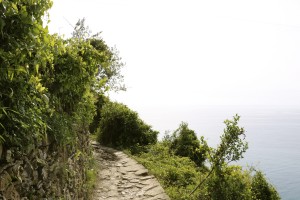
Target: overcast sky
[(193, 52)]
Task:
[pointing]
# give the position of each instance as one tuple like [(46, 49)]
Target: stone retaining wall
[(44, 171)]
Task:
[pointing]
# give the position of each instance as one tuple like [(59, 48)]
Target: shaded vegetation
[(185, 143), (121, 127), (261, 189)]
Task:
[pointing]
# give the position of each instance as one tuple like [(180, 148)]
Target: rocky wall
[(45, 171)]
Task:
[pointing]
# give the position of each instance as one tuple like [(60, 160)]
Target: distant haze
[(195, 52)]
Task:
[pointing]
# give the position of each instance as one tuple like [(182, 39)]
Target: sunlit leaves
[(24, 54), (43, 76), (14, 7)]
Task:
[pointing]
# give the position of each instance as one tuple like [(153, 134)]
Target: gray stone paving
[(122, 178)]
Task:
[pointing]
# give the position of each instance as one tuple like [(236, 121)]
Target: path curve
[(122, 178)]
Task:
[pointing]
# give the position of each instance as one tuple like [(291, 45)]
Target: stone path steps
[(122, 178)]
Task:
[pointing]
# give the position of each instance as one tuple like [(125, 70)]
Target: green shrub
[(121, 127), (25, 50), (185, 143), (230, 184), (100, 101), (172, 162), (177, 175), (261, 189)]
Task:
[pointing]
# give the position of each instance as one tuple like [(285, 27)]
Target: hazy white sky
[(193, 52)]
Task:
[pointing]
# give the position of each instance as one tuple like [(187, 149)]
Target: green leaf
[(14, 6), (23, 11), (4, 111), (46, 39), (35, 31), (11, 93), (37, 66), (10, 74), (22, 69), (1, 138)]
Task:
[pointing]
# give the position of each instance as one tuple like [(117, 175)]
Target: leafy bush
[(231, 184), (25, 49), (185, 143), (171, 162), (178, 175), (261, 189), (121, 127), (48, 86)]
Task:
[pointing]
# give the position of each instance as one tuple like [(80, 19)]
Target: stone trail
[(122, 178)]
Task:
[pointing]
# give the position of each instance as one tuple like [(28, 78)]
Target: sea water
[(273, 134)]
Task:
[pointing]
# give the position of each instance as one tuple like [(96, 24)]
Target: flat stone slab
[(141, 172), (120, 177)]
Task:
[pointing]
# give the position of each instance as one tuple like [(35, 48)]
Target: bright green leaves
[(10, 74), (232, 146), (176, 174), (227, 182), (36, 82), (36, 67), (22, 69), (14, 7), (49, 82), (24, 57), (23, 12)]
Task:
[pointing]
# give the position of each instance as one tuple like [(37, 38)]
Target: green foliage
[(230, 184), (232, 145), (108, 61), (51, 88), (173, 166), (231, 148), (25, 50), (91, 175), (185, 143), (178, 175), (49, 85), (261, 189), (100, 101), (121, 127)]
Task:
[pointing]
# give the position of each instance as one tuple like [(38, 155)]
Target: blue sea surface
[(274, 147), (273, 134)]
